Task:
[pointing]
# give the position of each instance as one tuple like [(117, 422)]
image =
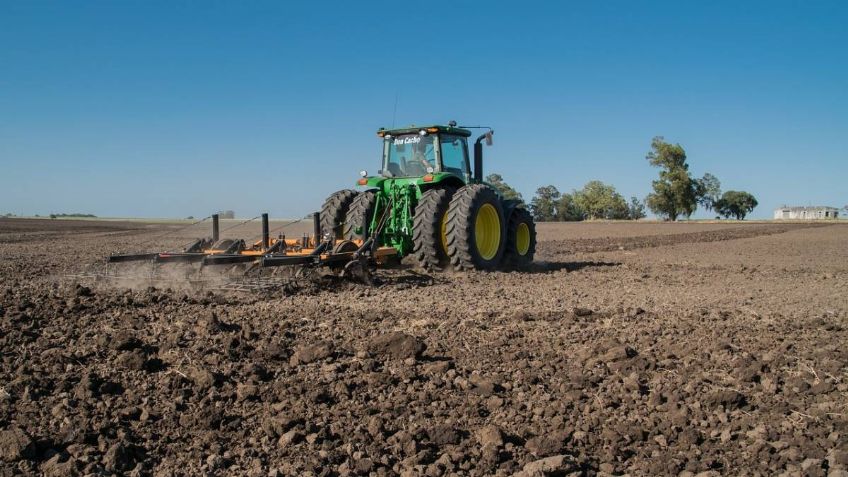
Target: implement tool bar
[(136, 257)]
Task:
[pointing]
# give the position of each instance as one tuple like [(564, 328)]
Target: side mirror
[(489, 138)]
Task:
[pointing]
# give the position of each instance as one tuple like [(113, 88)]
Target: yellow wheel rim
[(444, 233), (487, 231), (522, 239)]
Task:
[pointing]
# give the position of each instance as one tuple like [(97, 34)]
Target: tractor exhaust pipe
[(266, 239), (478, 161), (478, 154), (215, 228)]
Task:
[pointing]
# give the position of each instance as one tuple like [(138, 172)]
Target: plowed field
[(641, 349)]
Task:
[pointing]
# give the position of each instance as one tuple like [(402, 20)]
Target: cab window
[(454, 154), (408, 155)]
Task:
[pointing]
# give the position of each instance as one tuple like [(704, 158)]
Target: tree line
[(676, 193)]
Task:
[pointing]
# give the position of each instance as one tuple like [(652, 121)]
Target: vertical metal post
[(316, 227), (215, 230), (266, 239), (478, 161)]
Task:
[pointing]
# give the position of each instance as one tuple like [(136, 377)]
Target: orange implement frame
[(268, 252)]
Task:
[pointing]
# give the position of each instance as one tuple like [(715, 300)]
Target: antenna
[(394, 113)]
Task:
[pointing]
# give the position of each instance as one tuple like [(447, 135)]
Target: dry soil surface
[(641, 349)]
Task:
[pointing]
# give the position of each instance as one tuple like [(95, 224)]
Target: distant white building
[(806, 213)]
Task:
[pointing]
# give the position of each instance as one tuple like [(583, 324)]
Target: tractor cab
[(415, 152)]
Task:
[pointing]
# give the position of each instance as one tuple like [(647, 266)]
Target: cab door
[(453, 156)]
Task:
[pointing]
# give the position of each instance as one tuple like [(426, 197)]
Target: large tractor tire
[(429, 229), (359, 216), (520, 239), (476, 229), (334, 212)]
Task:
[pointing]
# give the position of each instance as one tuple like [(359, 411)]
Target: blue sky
[(169, 109)]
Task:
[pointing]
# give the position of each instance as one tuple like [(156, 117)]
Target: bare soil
[(641, 349)]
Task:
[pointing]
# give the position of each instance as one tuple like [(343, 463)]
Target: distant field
[(250, 229)]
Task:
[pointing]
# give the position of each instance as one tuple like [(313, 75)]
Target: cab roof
[(439, 128)]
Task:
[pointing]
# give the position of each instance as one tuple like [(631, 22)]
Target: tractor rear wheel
[(429, 229), (334, 212), (359, 216), (520, 239), (476, 229)]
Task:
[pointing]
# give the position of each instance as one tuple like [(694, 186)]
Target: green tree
[(544, 204), (675, 193), (708, 191), (601, 201), (505, 190), (637, 209), (567, 209), (735, 203)]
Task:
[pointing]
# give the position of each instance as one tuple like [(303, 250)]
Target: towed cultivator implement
[(237, 265)]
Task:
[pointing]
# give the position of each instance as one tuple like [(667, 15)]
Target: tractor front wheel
[(334, 212), (476, 230), (429, 229), (520, 239), (359, 216)]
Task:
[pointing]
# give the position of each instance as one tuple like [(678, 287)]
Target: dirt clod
[(15, 444), (120, 457), (554, 465), (290, 438), (490, 435), (546, 445), (579, 311), (396, 345), (728, 398), (443, 435), (310, 353)]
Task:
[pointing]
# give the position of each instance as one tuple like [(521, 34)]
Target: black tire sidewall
[(357, 212), (334, 211), (462, 238), (512, 258), (427, 240)]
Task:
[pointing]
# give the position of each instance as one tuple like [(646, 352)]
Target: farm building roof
[(809, 207)]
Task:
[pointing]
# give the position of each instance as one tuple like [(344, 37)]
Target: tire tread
[(334, 210), (427, 228), (359, 215), (511, 257), (461, 224)]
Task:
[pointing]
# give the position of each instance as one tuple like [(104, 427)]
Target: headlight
[(363, 173)]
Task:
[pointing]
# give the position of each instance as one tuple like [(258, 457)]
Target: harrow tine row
[(308, 252), (255, 285)]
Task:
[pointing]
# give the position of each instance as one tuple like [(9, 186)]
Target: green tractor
[(427, 203)]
